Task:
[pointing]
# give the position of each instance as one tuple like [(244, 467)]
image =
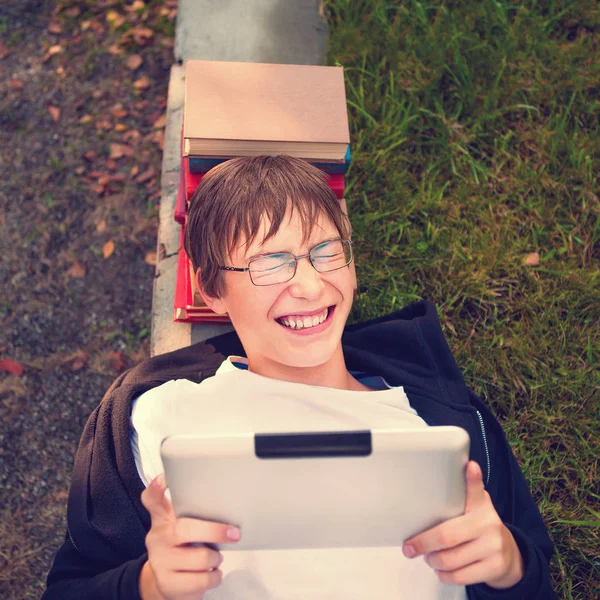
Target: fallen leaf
[(120, 127), (60, 71), (4, 50), (143, 83), (134, 61), (11, 366), (90, 155), (120, 150), (101, 226), (54, 112), (103, 124), (140, 35), (134, 171), (146, 175), (77, 270), (108, 248), (55, 28), (111, 164), (86, 119), (115, 50), (160, 122), (132, 136), (114, 18), (79, 170), (150, 258), (116, 361), (118, 112), (531, 260), (60, 497), (16, 85), (74, 11)]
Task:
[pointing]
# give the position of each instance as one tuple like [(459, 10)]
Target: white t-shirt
[(236, 400)]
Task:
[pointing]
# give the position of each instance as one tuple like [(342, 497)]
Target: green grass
[(476, 141)]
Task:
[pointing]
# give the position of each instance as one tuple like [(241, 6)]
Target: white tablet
[(320, 489)]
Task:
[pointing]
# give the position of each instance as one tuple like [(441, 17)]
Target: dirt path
[(82, 99)]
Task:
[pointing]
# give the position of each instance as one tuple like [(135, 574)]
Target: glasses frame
[(296, 259)]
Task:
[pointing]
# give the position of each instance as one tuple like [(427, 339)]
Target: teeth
[(304, 322)]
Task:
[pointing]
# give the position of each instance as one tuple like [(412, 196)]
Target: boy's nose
[(307, 282)]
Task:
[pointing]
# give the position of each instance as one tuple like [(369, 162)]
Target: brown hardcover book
[(245, 109)]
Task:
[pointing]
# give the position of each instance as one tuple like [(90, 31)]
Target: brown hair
[(233, 199)]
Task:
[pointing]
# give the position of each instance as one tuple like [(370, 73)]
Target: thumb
[(475, 488), (155, 501)]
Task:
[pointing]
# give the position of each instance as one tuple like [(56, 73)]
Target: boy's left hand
[(474, 548)]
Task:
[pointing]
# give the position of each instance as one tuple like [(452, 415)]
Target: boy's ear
[(215, 303)]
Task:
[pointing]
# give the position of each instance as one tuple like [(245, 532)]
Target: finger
[(446, 535), (155, 502), (477, 572), (194, 584), (475, 488), (462, 555), (192, 559), (189, 531)]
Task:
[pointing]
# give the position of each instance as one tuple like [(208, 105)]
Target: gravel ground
[(78, 219)]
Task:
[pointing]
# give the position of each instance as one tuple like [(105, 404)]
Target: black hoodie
[(104, 550)]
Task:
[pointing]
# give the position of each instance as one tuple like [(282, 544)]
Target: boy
[(271, 247)]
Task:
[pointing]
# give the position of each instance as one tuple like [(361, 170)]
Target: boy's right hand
[(175, 570)]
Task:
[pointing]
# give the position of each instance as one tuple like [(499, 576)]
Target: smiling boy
[(271, 247)]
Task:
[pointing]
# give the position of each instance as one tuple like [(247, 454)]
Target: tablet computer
[(320, 489)]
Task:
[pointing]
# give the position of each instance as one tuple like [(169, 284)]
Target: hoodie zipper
[(485, 444), (72, 540)]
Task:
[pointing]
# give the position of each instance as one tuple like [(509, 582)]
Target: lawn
[(474, 183)]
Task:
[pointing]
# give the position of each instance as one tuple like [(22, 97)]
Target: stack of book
[(249, 109)]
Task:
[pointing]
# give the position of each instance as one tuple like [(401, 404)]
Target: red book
[(191, 179), (336, 183), (188, 306), (180, 201)]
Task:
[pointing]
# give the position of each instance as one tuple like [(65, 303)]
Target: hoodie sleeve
[(517, 509), (104, 547), (74, 576)]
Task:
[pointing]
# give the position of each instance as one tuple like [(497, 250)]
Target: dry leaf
[(134, 171), (108, 248), (11, 366), (86, 119), (114, 18), (15, 84), (531, 260), (90, 155), (146, 175), (101, 226), (115, 50), (4, 50), (150, 258), (77, 270), (116, 361), (132, 136), (120, 150), (54, 112), (57, 49), (140, 35), (118, 112), (55, 28), (160, 122), (72, 12), (79, 170), (134, 61), (143, 83), (120, 127)]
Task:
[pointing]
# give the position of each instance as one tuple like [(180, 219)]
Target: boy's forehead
[(289, 236)]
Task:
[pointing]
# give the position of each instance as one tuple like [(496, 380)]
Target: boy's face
[(257, 312)]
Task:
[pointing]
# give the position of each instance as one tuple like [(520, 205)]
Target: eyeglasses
[(280, 267)]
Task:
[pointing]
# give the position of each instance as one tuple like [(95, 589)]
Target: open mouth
[(297, 322)]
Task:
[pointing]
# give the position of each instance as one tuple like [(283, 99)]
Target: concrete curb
[(272, 31)]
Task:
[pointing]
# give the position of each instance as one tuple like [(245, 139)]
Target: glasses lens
[(272, 268), (331, 255)]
